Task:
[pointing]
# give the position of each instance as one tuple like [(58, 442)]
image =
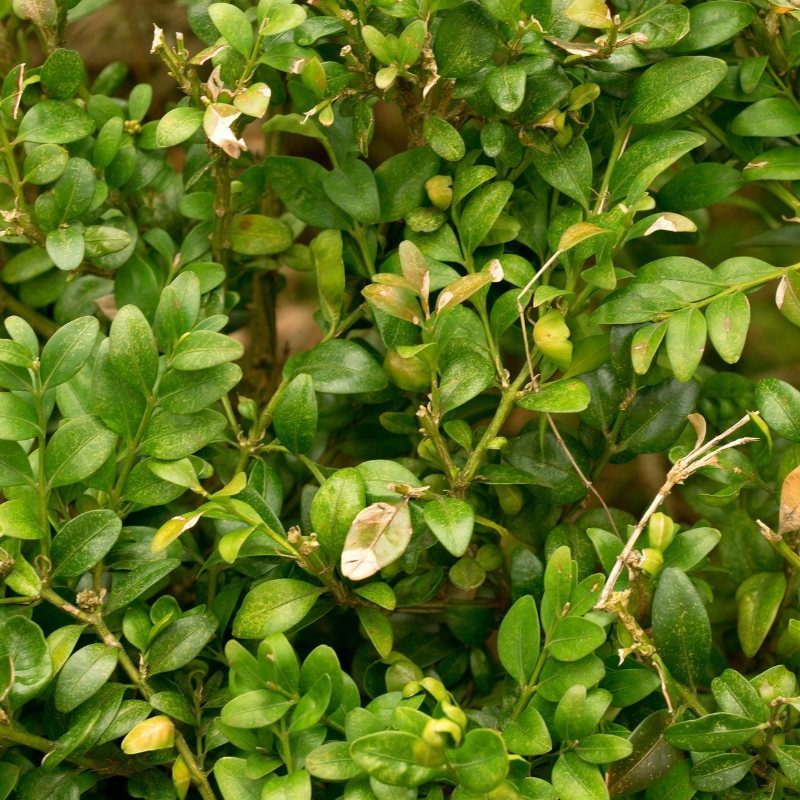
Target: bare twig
[(521, 310), (681, 470), (586, 482)]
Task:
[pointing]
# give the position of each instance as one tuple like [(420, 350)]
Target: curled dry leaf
[(172, 529), (378, 536), (673, 223), (218, 122), (790, 502)]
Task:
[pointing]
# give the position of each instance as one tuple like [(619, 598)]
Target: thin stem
[(313, 469), (529, 690), (681, 470), (259, 426), (108, 638), (620, 139), (40, 323), (41, 486), (133, 447), (586, 482), (501, 415), (13, 171), (24, 739)]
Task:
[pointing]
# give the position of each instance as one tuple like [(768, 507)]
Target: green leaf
[(295, 417), (780, 164), (574, 779), (232, 23), (728, 320), (204, 349), (686, 341), (83, 541), (758, 600), (172, 436), (326, 252), (779, 405), (556, 398), (333, 509), (132, 349), (17, 419), (651, 761), (401, 181), (451, 520), (19, 521), (274, 607), (720, 731), (296, 786), (481, 762), (55, 122), (481, 212), (66, 247), (465, 40), (528, 735), (712, 24), (389, 758), (332, 762), (138, 581), (121, 409), (506, 86), (575, 637), (658, 415), (76, 450), (444, 139), (338, 367), (257, 235), (735, 695), (75, 190), (178, 125), (299, 182), (85, 672), (688, 549), (23, 642), (789, 759), (602, 748), (720, 772), (699, 186), (255, 709), (663, 27), (670, 87), (379, 593), (771, 117), (189, 392), (681, 630), (231, 776), (352, 187), (68, 350), (180, 642), (568, 169), (518, 640), (45, 164), (378, 628), (9, 775)]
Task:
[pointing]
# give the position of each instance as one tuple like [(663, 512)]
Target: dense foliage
[(333, 576)]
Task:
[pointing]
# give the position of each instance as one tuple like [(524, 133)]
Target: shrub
[(363, 581)]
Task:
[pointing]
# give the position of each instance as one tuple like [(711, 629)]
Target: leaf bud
[(181, 778), (652, 562), (660, 531), (440, 192), (248, 408), (490, 557), (156, 733)]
